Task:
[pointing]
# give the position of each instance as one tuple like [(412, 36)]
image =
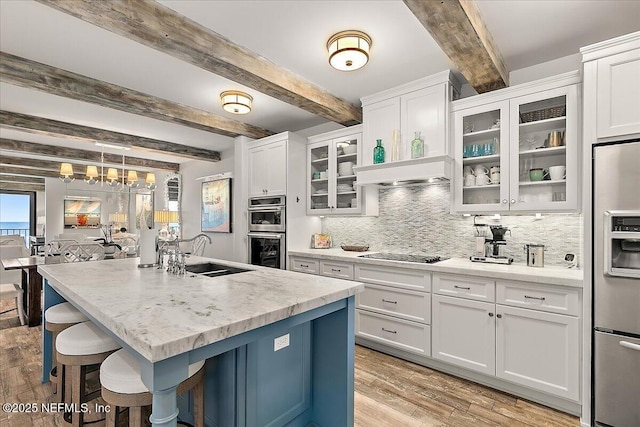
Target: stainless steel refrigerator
[(616, 284)]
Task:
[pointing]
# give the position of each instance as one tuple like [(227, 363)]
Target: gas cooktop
[(423, 259)]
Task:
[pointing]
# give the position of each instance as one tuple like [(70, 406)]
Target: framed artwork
[(215, 208), (144, 211)]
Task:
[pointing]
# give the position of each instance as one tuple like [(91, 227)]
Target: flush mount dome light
[(349, 50), (236, 102)]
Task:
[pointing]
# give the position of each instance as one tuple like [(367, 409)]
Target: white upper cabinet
[(420, 106), (331, 188), (612, 86), (268, 169), (517, 149)]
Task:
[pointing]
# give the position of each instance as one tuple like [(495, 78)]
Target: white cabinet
[(463, 333), (305, 265), (331, 187), (394, 308), (419, 106), (522, 339), (268, 169), (539, 350), (618, 95), (339, 270), (517, 149)]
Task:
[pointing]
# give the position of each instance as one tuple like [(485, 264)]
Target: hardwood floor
[(389, 392)]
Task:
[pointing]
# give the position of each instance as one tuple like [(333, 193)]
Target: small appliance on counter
[(493, 247), (535, 254)]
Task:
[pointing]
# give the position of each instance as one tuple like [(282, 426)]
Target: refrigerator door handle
[(630, 345)]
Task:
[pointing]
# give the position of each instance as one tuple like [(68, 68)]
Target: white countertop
[(545, 275), (160, 315)]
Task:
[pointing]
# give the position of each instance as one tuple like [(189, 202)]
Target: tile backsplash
[(417, 219)]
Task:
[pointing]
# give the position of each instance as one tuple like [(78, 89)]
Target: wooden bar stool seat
[(79, 347), (122, 387), (57, 319)]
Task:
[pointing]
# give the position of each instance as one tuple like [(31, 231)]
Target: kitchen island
[(280, 343)]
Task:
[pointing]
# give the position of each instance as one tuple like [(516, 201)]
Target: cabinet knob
[(505, 201), (499, 316), (513, 201), (490, 314)]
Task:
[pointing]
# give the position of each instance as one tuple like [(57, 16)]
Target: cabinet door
[(481, 148), (348, 199), (463, 333), (276, 168), (257, 171), (379, 120), (425, 111), (538, 350), (618, 94), (318, 197), (544, 151)]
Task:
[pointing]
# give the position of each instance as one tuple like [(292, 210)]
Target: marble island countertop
[(546, 275), (161, 315)]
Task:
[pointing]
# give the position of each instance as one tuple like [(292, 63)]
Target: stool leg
[(78, 375), (198, 404), (20, 309), (111, 416), (135, 416), (68, 380)]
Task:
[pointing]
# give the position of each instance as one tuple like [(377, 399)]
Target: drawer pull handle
[(466, 288), (538, 298), (499, 316), (490, 314), (304, 265), (630, 345), (390, 302), (388, 330), (336, 269)]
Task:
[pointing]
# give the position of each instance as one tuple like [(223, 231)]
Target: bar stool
[(79, 347), (57, 319), (122, 387)]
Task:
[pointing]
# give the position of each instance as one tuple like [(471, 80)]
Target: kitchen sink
[(211, 269)]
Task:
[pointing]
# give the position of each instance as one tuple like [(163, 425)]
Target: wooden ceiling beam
[(54, 165), (458, 28), (42, 126), (13, 145), (17, 186), (13, 170), (161, 28), (35, 75), (21, 179)]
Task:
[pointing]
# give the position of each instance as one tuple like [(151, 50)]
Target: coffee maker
[(494, 247)]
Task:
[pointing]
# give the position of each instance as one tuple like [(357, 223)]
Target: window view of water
[(14, 214)]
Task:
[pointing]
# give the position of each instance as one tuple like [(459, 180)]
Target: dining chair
[(11, 280)]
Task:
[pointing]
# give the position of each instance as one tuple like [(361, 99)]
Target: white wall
[(546, 69), (223, 244)]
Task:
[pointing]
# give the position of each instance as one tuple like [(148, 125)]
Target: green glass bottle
[(378, 152), (417, 147)]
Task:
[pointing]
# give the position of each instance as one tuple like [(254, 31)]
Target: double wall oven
[(267, 231)]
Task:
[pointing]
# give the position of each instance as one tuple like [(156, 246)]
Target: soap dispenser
[(378, 152)]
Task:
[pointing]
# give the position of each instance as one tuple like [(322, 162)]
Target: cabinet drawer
[(418, 280), (339, 270), (408, 305), (305, 265), (402, 334), (469, 287), (539, 297)]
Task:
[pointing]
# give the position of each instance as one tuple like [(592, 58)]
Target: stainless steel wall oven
[(267, 228)]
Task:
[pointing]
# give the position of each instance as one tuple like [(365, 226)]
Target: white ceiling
[(292, 34)]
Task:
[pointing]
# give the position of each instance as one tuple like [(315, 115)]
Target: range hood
[(426, 170)]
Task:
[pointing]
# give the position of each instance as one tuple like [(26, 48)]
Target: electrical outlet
[(281, 342)]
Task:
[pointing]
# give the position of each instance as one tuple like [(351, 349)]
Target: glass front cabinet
[(331, 188), (518, 154)]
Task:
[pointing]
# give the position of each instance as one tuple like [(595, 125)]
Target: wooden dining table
[(31, 285)]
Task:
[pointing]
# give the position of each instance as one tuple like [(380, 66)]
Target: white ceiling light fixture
[(236, 102), (349, 50)]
